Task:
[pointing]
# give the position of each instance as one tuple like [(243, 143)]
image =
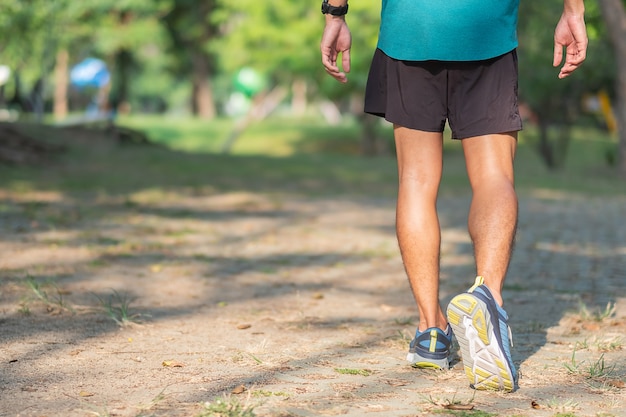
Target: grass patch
[(117, 307), (278, 155), (227, 407), (350, 371), (465, 413), (597, 315), (597, 374), (41, 292)]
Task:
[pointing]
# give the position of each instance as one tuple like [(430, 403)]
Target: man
[(455, 62)]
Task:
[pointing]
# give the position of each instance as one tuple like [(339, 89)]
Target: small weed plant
[(597, 374), (227, 407), (117, 307), (597, 315), (40, 291), (349, 371)]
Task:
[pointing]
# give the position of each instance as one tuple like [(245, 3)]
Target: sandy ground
[(291, 307)]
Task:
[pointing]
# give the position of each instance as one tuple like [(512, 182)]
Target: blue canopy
[(91, 72)]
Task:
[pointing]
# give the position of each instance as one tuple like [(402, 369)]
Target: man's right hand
[(336, 40)]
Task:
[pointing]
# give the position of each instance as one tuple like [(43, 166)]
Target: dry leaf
[(239, 389), (466, 407), (173, 364), (534, 404), (85, 394), (244, 326), (318, 296), (591, 327), (617, 383)]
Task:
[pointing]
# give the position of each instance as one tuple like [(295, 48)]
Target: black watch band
[(334, 10)]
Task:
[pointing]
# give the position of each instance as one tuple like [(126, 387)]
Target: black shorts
[(475, 97)]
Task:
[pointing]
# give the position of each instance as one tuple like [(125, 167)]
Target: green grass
[(310, 141), (350, 371), (40, 291), (278, 155), (227, 407), (117, 307)]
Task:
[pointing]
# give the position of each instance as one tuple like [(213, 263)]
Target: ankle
[(496, 293)]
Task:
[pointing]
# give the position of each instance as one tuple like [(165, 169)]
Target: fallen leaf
[(239, 389), (86, 394), (244, 326), (534, 404), (156, 268), (173, 364), (617, 383), (591, 326), (465, 407), (318, 296)]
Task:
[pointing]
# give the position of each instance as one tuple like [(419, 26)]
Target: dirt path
[(291, 307)]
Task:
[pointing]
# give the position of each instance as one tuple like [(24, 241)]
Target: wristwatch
[(334, 10)]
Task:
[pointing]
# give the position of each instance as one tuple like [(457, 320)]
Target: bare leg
[(492, 218), (417, 224)]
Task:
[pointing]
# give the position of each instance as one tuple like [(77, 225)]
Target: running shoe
[(481, 327), (430, 349)]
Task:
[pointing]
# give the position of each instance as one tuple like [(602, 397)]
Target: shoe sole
[(485, 364), (417, 361)]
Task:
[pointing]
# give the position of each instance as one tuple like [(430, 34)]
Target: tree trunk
[(202, 97), (614, 14), (544, 147), (298, 97), (61, 71), (121, 94)]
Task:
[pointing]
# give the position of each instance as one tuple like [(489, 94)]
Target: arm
[(336, 40), (571, 34)]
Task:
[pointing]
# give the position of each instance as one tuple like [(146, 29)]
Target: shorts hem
[(497, 131)]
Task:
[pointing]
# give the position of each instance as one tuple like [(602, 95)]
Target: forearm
[(572, 7)]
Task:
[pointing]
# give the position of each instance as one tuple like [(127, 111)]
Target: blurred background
[(245, 77)]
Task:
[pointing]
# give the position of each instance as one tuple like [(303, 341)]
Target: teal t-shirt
[(448, 30)]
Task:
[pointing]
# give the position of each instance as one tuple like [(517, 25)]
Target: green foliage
[(281, 39), (539, 85)]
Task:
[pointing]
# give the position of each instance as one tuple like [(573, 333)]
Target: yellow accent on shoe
[(479, 281), (454, 317), (480, 324), (465, 303), (433, 340), (425, 365)]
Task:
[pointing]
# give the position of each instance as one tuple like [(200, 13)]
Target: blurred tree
[(191, 30), (614, 12), (281, 40), (39, 32), (556, 105)]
